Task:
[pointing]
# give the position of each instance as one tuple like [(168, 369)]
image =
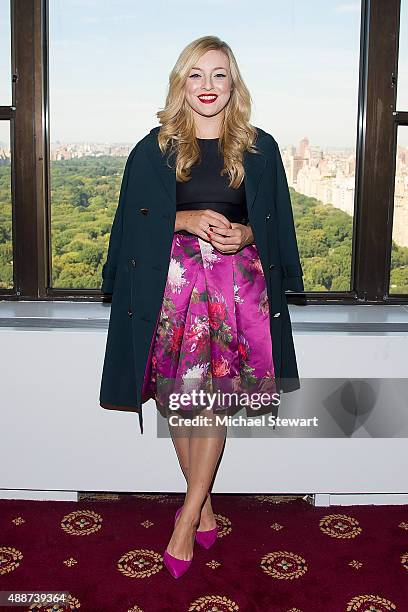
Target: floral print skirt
[(212, 334)]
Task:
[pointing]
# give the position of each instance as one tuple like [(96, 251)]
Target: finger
[(222, 247), (234, 239), (216, 218), (230, 233), (208, 231), (203, 234)]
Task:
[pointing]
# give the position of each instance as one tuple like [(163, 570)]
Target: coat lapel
[(254, 165)]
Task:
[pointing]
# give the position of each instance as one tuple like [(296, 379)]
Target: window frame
[(376, 138)]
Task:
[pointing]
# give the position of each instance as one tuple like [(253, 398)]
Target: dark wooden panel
[(376, 147)]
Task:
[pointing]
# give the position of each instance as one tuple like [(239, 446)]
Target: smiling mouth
[(208, 98)]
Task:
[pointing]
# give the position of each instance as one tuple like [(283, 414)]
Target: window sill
[(348, 319)]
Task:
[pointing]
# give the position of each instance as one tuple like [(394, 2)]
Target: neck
[(208, 127)]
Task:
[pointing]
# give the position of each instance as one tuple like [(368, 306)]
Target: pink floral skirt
[(212, 334)]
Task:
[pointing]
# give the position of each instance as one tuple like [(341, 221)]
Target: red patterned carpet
[(277, 554)]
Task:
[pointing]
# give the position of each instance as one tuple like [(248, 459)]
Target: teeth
[(207, 97)]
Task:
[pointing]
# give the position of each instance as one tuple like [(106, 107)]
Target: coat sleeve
[(291, 266), (115, 240)]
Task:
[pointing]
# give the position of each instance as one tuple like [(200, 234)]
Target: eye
[(194, 75), (221, 74)]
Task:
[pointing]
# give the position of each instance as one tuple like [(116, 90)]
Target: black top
[(208, 189)]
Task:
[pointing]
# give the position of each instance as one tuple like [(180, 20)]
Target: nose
[(207, 82)]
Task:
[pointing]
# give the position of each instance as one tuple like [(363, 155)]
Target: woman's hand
[(198, 222), (231, 240)]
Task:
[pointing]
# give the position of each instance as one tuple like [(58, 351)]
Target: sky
[(110, 61)]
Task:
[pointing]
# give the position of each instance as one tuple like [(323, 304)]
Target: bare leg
[(182, 447), (205, 446)]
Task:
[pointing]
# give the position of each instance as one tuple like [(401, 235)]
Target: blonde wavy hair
[(177, 133)]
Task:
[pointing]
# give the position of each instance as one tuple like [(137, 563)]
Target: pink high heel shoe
[(204, 538), (176, 567)]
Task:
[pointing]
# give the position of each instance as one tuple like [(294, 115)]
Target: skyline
[(89, 143)]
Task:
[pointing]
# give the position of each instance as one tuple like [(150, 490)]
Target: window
[(6, 229), (399, 253), (89, 139), (6, 225), (88, 148), (5, 53), (402, 91), (318, 74), (310, 102)]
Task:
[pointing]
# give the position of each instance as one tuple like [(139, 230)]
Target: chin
[(209, 112)]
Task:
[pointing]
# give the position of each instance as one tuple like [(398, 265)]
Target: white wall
[(55, 436)]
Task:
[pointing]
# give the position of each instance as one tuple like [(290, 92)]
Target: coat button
[(268, 216), (144, 211), (130, 313), (133, 262), (271, 266), (276, 314)]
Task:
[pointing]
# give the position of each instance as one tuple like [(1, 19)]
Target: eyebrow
[(218, 68)]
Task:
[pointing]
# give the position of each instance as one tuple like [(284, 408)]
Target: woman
[(212, 331)]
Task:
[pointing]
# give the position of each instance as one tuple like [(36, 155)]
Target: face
[(208, 86)]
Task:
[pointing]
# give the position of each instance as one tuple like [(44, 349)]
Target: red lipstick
[(207, 98)]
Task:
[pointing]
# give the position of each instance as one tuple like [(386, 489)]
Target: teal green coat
[(135, 271)]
